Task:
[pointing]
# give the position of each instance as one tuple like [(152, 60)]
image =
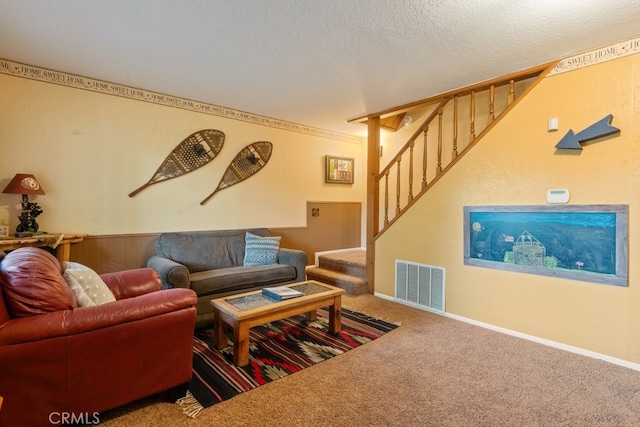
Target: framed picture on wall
[(338, 170)]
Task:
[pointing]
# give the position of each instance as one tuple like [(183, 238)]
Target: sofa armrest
[(132, 283), (172, 274), (85, 319), (296, 258)]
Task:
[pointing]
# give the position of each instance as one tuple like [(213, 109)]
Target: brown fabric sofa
[(62, 362)]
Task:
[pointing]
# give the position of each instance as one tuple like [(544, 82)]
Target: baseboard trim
[(383, 296), (550, 343), (543, 341)]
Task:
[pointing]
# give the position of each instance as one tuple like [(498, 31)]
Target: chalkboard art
[(582, 242)]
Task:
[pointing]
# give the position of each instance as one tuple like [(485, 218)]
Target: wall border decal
[(597, 56), (31, 72)]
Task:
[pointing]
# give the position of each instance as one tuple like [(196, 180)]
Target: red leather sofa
[(60, 362)]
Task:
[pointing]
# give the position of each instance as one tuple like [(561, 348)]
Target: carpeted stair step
[(352, 284), (352, 263)]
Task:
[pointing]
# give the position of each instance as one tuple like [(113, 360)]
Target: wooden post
[(424, 159), (492, 103), (386, 198), (373, 197), (439, 167), (512, 92), (472, 113), (398, 177), (410, 198), (454, 154)]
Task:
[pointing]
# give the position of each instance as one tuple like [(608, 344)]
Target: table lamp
[(25, 184)]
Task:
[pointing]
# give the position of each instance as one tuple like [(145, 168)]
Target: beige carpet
[(432, 371)]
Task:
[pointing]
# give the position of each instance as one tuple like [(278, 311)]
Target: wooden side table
[(60, 243)]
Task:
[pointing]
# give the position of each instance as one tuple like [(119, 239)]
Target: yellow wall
[(89, 150), (515, 164)]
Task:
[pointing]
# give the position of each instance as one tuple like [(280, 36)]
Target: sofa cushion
[(261, 250), (238, 278), (87, 286), (32, 283), (205, 250)]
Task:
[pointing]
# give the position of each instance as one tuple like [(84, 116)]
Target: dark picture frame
[(339, 170), (580, 242)]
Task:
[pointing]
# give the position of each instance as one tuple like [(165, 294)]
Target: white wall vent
[(420, 285)]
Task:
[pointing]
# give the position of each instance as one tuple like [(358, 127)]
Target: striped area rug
[(276, 350)]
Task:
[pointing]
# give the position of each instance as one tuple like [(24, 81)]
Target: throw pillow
[(261, 250), (86, 285)]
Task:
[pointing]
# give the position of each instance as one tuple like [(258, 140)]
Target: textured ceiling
[(314, 62)]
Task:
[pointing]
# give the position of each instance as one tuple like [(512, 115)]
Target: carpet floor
[(431, 371), (277, 349)]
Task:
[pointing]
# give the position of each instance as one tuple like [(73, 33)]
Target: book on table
[(281, 292)]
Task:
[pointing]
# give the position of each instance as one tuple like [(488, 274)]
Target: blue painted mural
[(558, 239)]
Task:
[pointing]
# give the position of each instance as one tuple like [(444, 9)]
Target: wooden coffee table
[(244, 311)]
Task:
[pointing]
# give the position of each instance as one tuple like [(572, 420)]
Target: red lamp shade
[(23, 183)]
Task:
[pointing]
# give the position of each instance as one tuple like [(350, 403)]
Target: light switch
[(553, 124)]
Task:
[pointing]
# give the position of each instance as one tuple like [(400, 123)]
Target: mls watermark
[(72, 418)]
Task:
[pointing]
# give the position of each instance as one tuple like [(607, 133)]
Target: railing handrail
[(415, 136), (374, 174), (516, 76), (439, 102)]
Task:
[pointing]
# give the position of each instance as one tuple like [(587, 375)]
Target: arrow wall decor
[(597, 130)]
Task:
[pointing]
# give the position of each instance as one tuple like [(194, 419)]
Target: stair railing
[(395, 182)]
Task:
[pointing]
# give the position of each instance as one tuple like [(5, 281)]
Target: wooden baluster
[(424, 159), (512, 92), (386, 198), (411, 171), (492, 103), (398, 187), (472, 130), (439, 167), (454, 154)]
